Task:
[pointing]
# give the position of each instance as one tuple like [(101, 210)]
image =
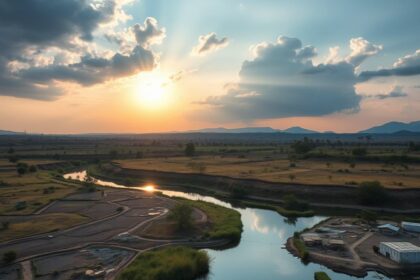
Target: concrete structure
[(400, 252), (311, 239), (389, 229), (414, 227)]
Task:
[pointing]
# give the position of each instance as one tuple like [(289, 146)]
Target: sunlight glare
[(152, 90), (149, 188)]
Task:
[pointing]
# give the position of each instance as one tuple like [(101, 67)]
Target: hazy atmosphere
[(135, 66)]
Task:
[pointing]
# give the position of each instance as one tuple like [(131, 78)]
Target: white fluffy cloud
[(408, 65), (360, 50), (209, 43), (281, 82)]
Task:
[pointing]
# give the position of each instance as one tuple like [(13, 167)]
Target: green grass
[(225, 223), (41, 224), (301, 248), (173, 263), (320, 275)]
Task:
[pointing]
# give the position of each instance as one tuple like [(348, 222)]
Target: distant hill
[(237, 130), (292, 130), (7, 132), (393, 127), (299, 130)]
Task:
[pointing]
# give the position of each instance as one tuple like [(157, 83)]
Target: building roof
[(410, 224), (402, 246), (390, 227)]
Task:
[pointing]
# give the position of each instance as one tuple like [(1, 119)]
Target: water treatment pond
[(261, 253)]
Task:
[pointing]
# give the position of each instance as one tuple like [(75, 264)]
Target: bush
[(174, 263), (181, 214), (32, 168), (301, 249), (20, 205), (369, 216), (9, 257), (190, 149), (372, 193), (320, 275)]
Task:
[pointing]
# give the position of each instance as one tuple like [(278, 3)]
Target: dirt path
[(356, 256), (26, 270)]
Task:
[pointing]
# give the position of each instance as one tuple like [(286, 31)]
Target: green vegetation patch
[(40, 224), (173, 263), (225, 223), (301, 248), (320, 275)]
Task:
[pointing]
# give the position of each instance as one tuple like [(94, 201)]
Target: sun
[(152, 90)]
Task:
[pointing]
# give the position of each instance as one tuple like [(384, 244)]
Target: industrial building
[(407, 226), (400, 252), (389, 229)]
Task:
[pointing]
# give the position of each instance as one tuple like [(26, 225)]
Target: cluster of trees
[(23, 168), (414, 147), (303, 147), (181, 214), (372, 193), (190, 149)]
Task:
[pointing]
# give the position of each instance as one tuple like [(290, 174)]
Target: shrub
[(372, 193), (174, 263), (292, 203), (190, 149), (320, 275), (9, 257), (237, 192), (32, 168), (181, 214), (20, 205)]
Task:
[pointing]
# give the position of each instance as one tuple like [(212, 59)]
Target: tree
[(11, 150), (292, 177), (303, 147), (372, 193), (190, 149), (292, 203), (32, 168), (9, 256), (181, 214)]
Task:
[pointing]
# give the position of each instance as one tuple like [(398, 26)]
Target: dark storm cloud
[(405, 66), (94, 70), (282, 82), (32, 27)]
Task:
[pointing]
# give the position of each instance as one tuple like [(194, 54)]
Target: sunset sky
[(75, 66)]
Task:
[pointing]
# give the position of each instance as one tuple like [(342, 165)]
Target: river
[(260, 255)]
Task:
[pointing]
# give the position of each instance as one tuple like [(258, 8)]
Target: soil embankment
[(319, 195)]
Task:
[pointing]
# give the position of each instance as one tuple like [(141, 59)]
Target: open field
[(308, 171), (41, 224)]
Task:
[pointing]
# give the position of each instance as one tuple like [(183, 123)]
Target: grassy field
[(305, 171), (173, 263), (41, 224)]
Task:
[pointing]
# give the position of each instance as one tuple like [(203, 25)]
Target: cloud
[(149, 33), (44, 42), (209, 43), (395, 92), (408, 65), (360, 50), (281, 82)]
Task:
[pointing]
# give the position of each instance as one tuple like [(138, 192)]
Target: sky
[(140, 66)]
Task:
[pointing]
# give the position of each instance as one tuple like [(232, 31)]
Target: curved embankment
[(404, 201)]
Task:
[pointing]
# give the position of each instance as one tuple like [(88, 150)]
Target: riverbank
[(339, 198)]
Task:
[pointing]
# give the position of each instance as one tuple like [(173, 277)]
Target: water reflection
[(261, 254)]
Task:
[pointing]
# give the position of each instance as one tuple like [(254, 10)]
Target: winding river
[(261, 253)]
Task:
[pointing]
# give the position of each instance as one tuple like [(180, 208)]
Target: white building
[(415, 227), (400, 252)]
